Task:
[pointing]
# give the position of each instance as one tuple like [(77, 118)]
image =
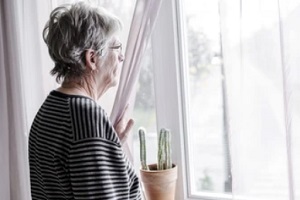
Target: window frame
[(169, 109)]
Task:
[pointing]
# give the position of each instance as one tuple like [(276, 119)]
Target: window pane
[(144, 112), (207, 139)]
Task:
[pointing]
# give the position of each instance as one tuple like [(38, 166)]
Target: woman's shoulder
[(88, 118), (77, 101)]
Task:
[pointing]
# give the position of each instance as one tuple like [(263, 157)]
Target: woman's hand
[(124, 126)]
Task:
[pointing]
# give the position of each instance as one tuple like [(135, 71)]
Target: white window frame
[(168, 90), (170, 84)]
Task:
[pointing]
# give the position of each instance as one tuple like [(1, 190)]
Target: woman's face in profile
[(110, 63)]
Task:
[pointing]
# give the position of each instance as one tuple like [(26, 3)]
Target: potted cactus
[(159, 180)]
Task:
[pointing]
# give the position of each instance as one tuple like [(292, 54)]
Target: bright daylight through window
[(208, 153), (144, 111)]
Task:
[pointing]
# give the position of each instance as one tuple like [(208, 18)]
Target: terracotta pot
[(159, 184)]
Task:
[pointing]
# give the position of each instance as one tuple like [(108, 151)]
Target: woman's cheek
[(112, 69)]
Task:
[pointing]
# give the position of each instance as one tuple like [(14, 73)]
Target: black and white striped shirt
[(74, 153)]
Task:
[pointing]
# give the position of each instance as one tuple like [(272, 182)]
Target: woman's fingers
[(123, 127)]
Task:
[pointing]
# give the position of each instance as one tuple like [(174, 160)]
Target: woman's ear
[(90, 59)]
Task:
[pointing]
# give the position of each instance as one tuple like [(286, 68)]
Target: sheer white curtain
[(24, 84), (12, 121), (260, 40), (142, 24)]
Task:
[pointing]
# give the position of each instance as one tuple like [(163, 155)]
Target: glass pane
[(144, 112), (208, 142)]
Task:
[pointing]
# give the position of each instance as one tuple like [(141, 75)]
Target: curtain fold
[(142, 24), (290, 29), (287, 91), (22, 88), (14, 172), (4, 136)]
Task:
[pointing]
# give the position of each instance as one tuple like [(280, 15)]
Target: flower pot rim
[(174, 167)]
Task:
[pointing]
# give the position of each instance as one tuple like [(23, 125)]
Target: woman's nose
[(121, 57)]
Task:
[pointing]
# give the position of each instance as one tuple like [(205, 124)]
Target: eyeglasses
[(117, 47)]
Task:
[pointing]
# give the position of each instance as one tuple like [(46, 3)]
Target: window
[(144, 112), (207, 139), (192, 98), (190, 95)]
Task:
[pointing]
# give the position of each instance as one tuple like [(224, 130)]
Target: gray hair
[(71, 30)]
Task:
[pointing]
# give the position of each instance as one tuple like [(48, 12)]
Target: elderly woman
[(74, 151)]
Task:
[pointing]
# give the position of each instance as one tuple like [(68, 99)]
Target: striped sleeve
[(98, 170)]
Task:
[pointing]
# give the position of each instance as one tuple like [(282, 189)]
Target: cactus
[(161, 152), (168, 161), (143, 157), (164, 157), (164, 150)]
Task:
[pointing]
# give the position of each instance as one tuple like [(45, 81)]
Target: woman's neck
[(75, 88)]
